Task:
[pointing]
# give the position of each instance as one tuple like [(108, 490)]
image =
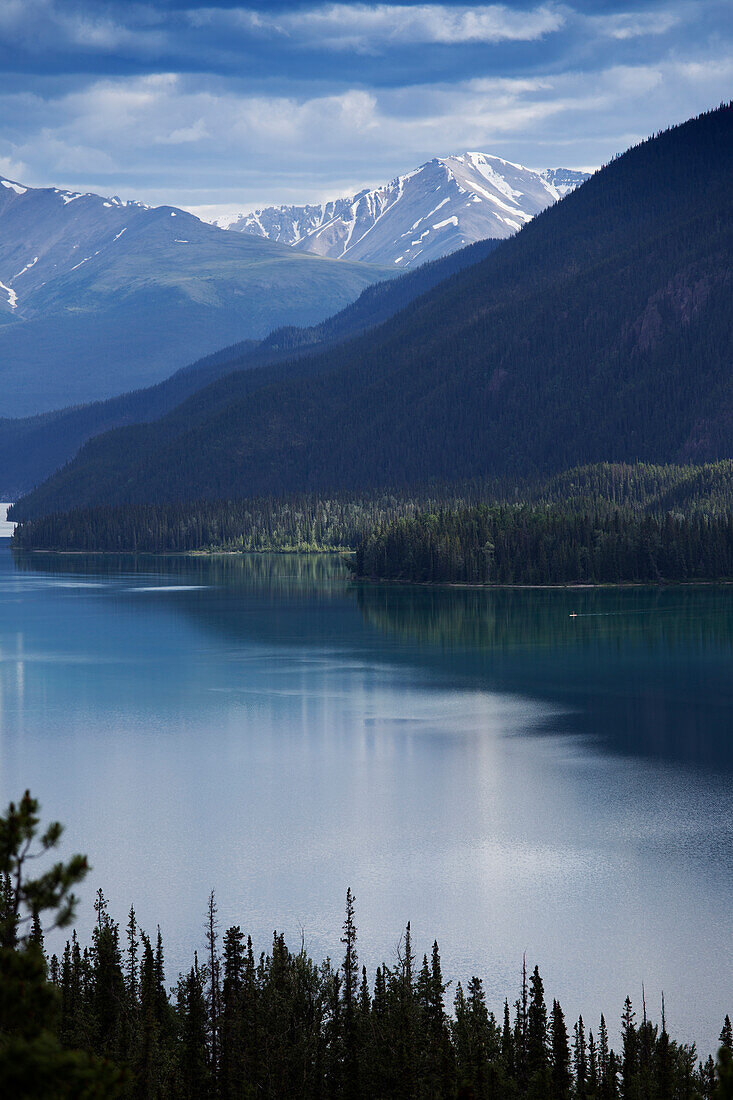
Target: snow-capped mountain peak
[(444, 204)]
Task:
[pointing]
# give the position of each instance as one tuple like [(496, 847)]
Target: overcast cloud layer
[(242, 105)]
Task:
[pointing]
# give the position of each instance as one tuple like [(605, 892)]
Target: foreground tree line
[(101, 1021)]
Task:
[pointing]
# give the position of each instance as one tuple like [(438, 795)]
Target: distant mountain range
[(440, 207), (602, 331), (98, 296)]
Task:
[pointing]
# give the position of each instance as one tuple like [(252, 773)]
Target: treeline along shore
[(103, 1020), (602, 524)]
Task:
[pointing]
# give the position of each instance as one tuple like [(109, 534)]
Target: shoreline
[(574, 586)]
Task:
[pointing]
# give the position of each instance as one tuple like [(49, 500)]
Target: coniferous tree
[(580, 1060), (212, 938), (726, 1034), (593, 1076), (508, 1059), (33, 1062), (282, 1029), (233, 1057), (603, 1052), (560, 1076), (630, 1057), (537, 1060), (663, 1062), (350, 967), (108, 984), (521, 1031)]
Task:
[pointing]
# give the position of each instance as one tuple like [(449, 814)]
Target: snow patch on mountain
[(27, 267), (12, 296), (479, 196)]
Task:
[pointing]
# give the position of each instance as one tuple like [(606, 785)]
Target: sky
[(223, 106)]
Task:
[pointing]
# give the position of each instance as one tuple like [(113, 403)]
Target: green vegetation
[(100, 1021), (521, 544), (608, 523), (297, 523), (604, 524), (34, 1060)]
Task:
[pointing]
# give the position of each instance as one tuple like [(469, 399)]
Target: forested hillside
[(31, 448), (596, 524)]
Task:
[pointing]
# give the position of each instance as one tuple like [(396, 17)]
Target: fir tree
[(194, 1077), (233, 1040), (560, 1076), (350, 968), (212, 938), (580, 1060)]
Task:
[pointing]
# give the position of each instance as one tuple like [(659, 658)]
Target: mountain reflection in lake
[(479, 762)]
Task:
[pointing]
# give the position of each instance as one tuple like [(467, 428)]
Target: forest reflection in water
[(644, 670)]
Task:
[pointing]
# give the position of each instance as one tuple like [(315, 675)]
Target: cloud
[(13, 169), (42, 26), (624, 25), (186, 140), (240, 106), (369, 26), (185, 134)]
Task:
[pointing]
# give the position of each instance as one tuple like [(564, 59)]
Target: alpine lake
[(539, 771)]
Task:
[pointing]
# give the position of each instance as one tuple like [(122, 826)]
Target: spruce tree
[(663, 1062), (232, 1067), (630, 1057), (350, 968), (194, 1076), (507, 1046), (593, 1078), (521, 1033), (580, 1060), (560, 1076), (726, 1034), (212, 939)]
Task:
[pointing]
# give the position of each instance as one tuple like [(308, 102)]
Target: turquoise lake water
[(505, 776)]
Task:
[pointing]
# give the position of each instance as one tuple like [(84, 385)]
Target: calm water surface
[(505, 776)]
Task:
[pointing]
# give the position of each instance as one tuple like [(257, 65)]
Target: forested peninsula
[(609, 523), (104, 1019)]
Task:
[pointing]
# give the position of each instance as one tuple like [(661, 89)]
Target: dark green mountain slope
[(620, 497), (602, 331), (31, 448)]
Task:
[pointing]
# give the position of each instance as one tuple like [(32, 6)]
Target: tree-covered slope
[(621, 498), (601, 331), (32, 447)]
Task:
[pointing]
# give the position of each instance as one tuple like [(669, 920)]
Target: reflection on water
[(647, 671), (274, 574), (504, 619), (506, 776)]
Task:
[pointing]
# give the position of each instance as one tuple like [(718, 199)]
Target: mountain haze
[(33, 447), (445, 204), (600, 332), (98, 296)]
